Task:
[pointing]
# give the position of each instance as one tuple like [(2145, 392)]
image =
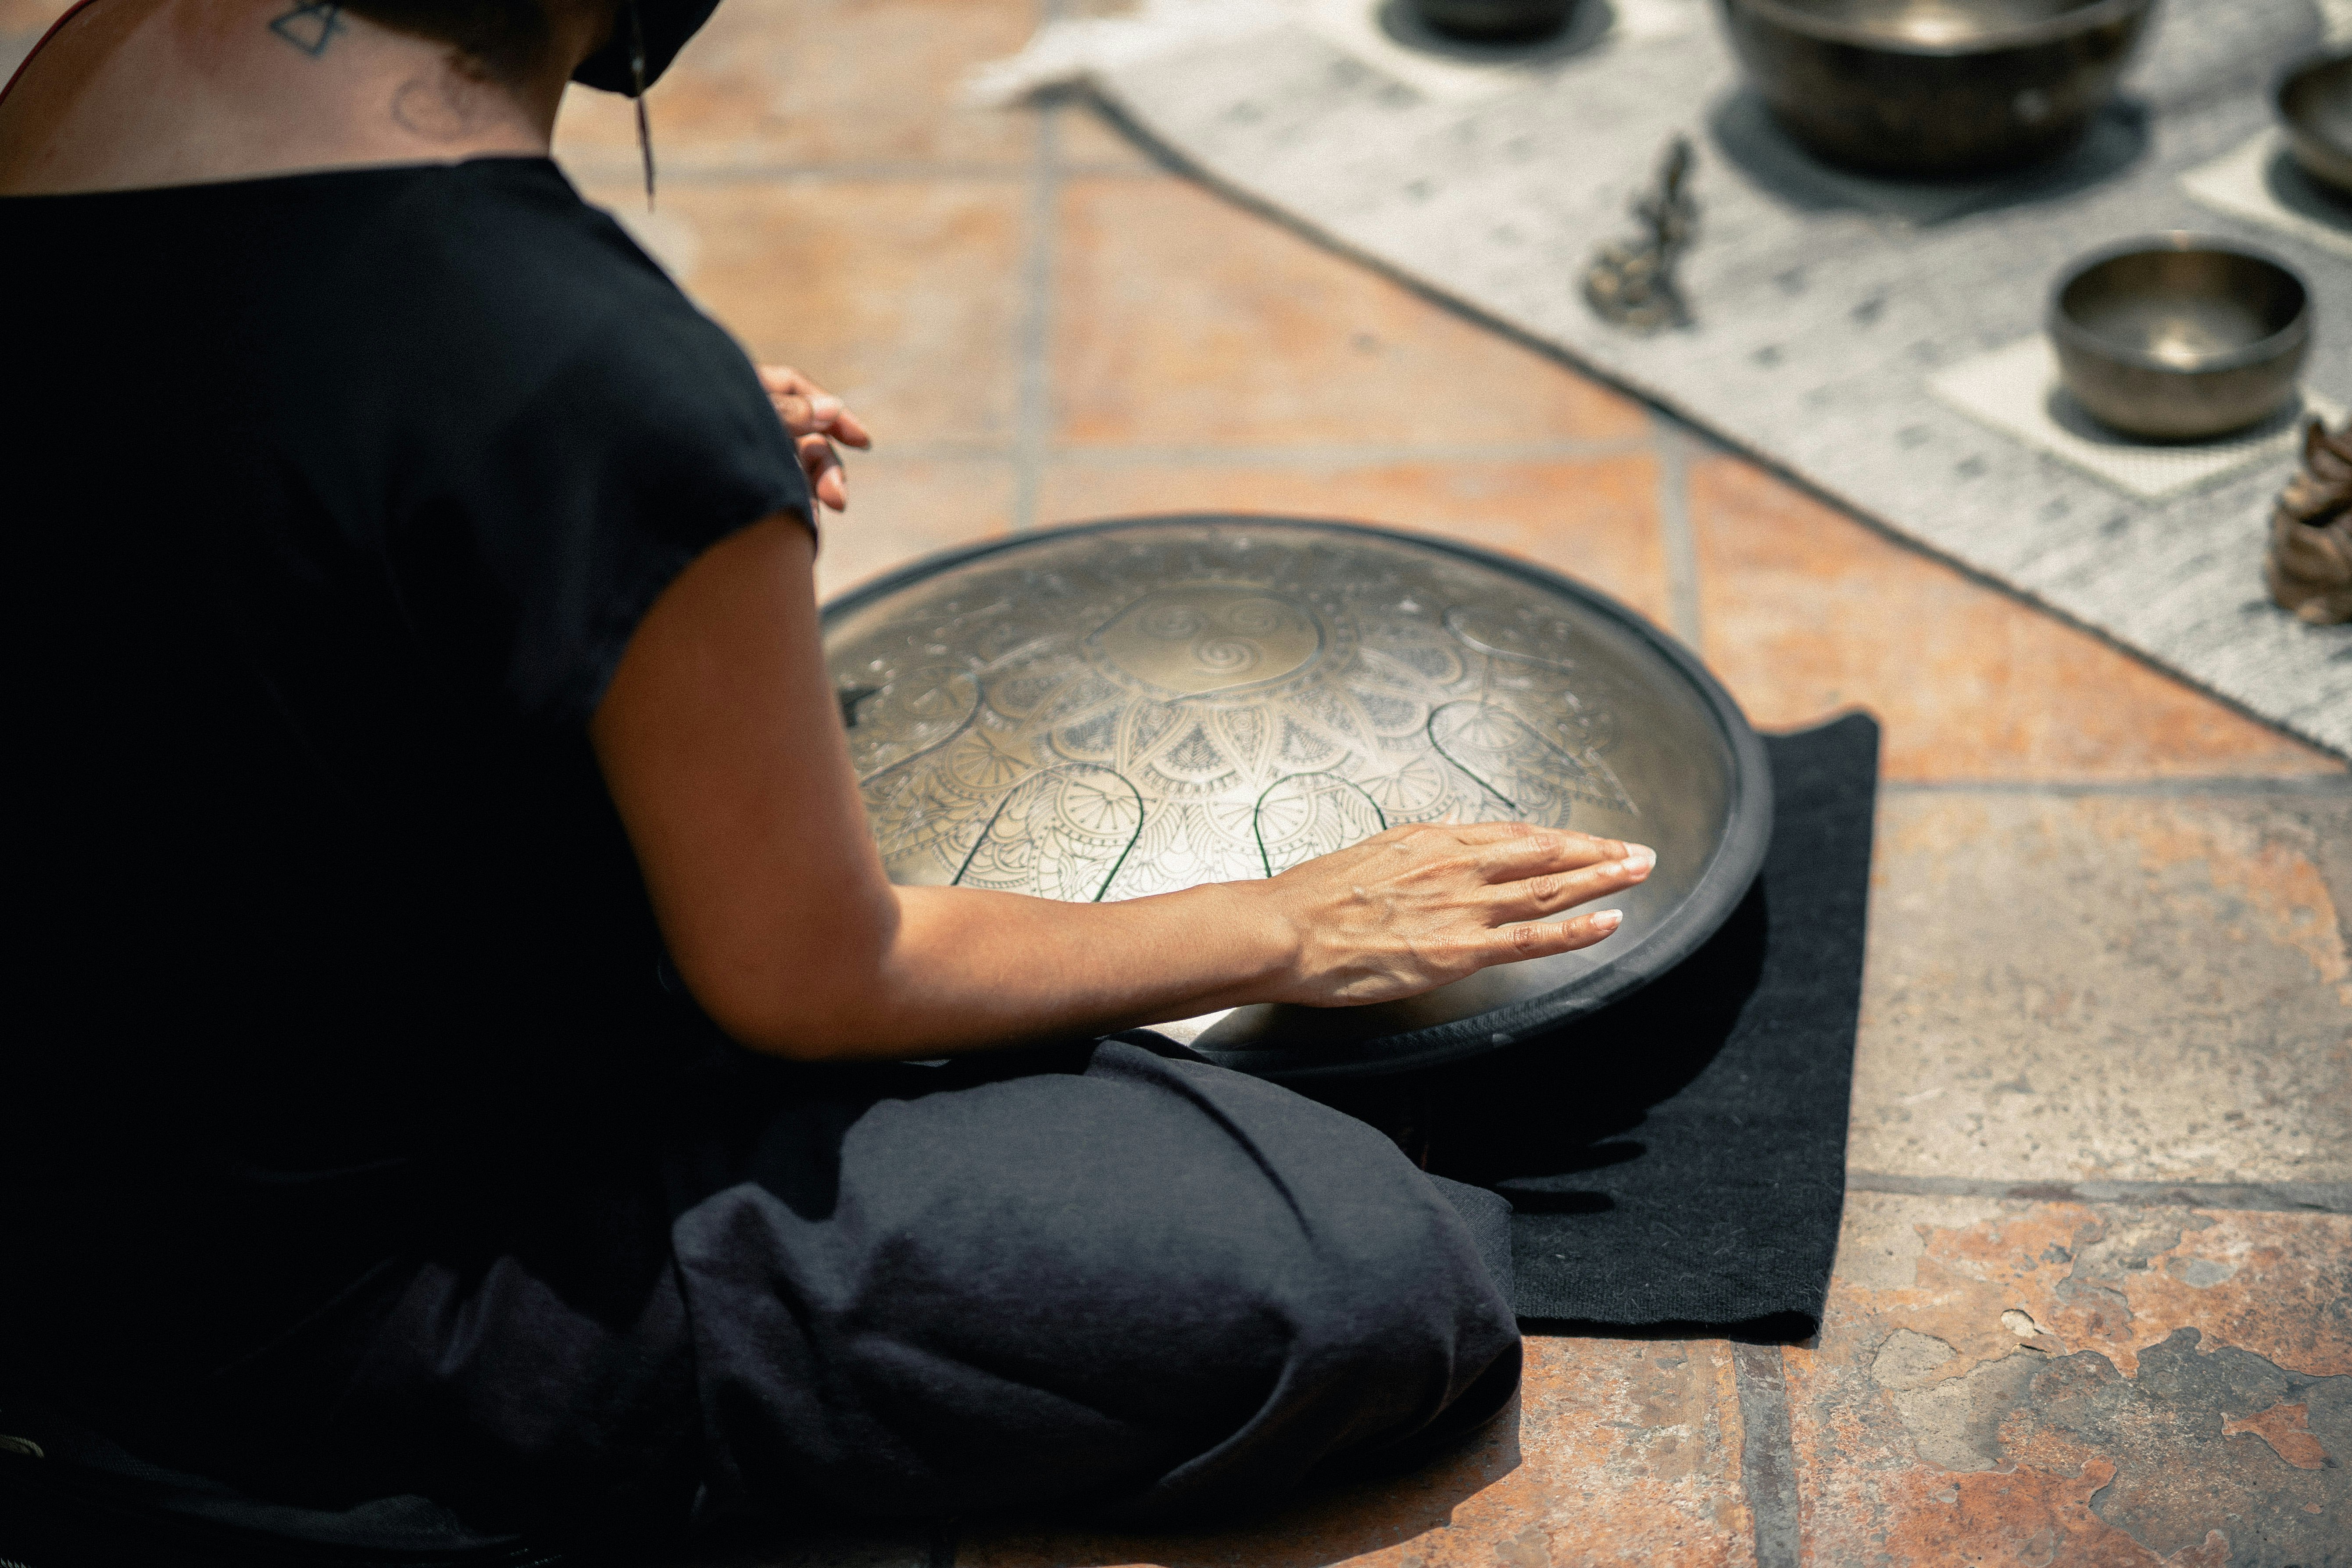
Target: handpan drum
[(1143, 705)]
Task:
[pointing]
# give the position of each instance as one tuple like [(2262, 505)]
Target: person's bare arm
[(720, 742)]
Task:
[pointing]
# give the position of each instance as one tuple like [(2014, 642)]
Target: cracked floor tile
[(2003, 1382)]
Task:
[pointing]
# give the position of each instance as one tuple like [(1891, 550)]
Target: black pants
[(1103, 1277)]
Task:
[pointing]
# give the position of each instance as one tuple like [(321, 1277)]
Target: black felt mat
[(1677, 1162)]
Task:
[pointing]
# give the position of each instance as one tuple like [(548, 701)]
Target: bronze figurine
[(2309, 568), (1631, 282)]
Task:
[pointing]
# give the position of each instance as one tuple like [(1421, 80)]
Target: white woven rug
[(1826, 305)]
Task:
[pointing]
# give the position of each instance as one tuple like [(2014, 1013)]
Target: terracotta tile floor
[(2093, 1302)]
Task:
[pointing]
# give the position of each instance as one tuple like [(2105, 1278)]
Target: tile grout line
[(1768, 1454), (2258, 1197), (1675, 526), (1030, 431), (2320, 786), (1314, 455), (1352, 454), (598, 168)]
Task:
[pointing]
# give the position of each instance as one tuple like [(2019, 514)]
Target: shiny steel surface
[(2180, 337), (1934, 87), (2314, 106), (1142, 706)]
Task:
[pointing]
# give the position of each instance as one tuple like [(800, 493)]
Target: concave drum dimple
[(1147, 704)]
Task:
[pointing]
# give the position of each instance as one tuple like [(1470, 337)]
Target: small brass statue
[(2309, 568), (1631, 282)]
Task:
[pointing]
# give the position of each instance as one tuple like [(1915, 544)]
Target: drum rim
[(1738, 856)]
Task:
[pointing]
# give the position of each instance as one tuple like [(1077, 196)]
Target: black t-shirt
[(332, 502)]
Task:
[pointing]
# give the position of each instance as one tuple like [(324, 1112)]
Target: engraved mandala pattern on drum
[(1191, 642), (1533, 779), (1062, 833), (911, 714), (1306, 814), (1114, 715)]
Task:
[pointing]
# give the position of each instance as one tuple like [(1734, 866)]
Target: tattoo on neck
[(438, 111), (310, 26)]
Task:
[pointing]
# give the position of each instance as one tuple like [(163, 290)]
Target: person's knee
[(1389, 1312), (1394, 1343), (1401, 1285), (1360, 1249)]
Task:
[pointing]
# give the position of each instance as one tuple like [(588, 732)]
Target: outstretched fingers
[(1548, 892), (809, 409), (1540, 851), (822, 464), (1544, 939), (815, 419)]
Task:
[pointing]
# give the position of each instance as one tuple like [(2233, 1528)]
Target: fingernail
[(825, 407), (1608, 920), (1640, 859)]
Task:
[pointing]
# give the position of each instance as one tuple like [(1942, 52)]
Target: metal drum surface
[(1143, 705)]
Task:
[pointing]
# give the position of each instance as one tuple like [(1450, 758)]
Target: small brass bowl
[(2313, 99), (1934, 87), (1496, 21), (2178, 337)]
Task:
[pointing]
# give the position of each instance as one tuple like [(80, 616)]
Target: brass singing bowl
[(1140, 705), (2314, 99), (1496, 21), (1935, 88), (2180, 337)]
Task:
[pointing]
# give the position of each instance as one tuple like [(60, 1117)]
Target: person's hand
[(817, 420), (1411, 908)]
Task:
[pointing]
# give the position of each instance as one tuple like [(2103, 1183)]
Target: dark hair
[(504, 37)]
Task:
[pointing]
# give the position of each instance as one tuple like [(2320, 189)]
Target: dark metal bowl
[(1139, 706), (1496, 21), (2177, 337), (1935, 87), (2314, 97)]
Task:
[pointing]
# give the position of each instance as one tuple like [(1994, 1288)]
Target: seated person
[(466, 1043)]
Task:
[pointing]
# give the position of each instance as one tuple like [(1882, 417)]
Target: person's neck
[(136, 93)]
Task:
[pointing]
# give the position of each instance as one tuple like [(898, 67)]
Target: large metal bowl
[(1935, 87), (2314, 97), (2180, 337), (1139, 706)]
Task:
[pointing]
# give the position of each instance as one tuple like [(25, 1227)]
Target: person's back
[(325, 872), (434, 822), (340, 491)]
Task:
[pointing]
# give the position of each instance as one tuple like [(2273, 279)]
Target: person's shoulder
[(513, 242), (522, 292)]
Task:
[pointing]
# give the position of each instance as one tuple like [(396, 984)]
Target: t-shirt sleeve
[(586, 496)]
